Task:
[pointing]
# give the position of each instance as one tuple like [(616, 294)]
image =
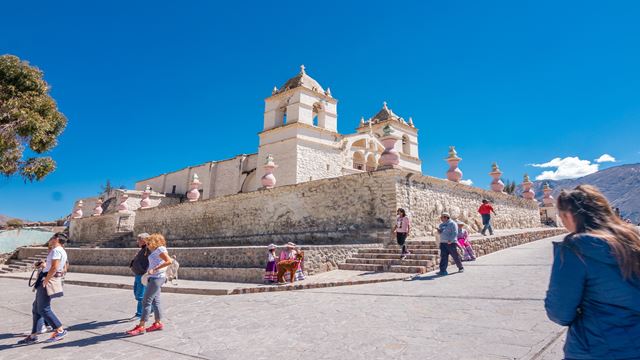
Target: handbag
[(54, 287)]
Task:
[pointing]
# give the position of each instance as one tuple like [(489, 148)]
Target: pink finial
[(97, 211), (527, 193), (145, 202), (547, 200), (77, 210), (496, 185), (194, 193), (454, 173), (123, 206), (269, 180), (389, 157)]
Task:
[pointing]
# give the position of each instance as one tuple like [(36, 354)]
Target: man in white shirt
[(53, 268)]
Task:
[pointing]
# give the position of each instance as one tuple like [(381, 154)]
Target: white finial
[(302, 69), (328, 92), (362, 121), (384, 104), (410, 121), (275, 90)]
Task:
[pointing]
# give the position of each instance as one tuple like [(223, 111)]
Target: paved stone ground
[(492, 311)]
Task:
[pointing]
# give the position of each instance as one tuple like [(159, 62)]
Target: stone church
[(301, 135)]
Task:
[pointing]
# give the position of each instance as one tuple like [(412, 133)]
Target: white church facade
[(301, 134)]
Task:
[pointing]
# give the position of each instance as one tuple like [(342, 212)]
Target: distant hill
[(620, 184), (4, 219)]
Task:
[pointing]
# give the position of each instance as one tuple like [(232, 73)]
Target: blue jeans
[(138, 292), (486, 221), (151, 299), (41, 311)]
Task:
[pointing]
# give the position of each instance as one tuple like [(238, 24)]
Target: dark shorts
[(401, 237)]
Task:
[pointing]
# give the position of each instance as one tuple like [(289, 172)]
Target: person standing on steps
[(139, 266), (401, 229), (594, 287), (448, 231), (485, 211)]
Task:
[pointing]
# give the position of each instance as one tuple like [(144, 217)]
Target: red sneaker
[(138, 330), (155, 326)]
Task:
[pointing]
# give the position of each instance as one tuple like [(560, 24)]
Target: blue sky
[(519, 83)]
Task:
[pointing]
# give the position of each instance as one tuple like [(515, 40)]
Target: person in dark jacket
[(595, 279), (139, 266)]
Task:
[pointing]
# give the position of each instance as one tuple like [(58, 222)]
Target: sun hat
[(143, 235), (460, 223), (271, 246), (445, 214), (290, 245)]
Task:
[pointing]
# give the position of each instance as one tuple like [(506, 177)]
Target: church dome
[(386, 114), (302, 79)]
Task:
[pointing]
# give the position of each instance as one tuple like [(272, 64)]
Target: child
[(290, 254), (270, 272), (463, 242)]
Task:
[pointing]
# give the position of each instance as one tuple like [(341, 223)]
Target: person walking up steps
[(139, 266), (448, 231), (485, 211), (48, 286), (401, 229), (159, 259), (595, 279)]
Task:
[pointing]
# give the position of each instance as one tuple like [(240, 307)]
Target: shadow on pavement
[(12, 335), (92, 325), (430, 277), (88, 341)]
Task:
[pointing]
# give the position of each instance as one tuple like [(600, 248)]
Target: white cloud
[(567, 168), (605, 158), (466, 182)]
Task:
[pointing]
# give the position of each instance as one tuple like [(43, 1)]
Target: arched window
[(317, 108), (358, 161), (406, 146)]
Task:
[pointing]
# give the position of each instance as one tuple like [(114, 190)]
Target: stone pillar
[(454, 173), (549, 212), (77, 210), (122, 206), (97, 211), (496, 185), (268, 179), (194, 193), (145, 202), (527, 192), (389, 158)]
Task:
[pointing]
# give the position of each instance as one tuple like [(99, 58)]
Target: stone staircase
[(423, 257), (22, 265), (115, 240)]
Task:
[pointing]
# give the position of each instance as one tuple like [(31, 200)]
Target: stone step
[(397, 251), (389, 262), (20, 262), (430, 243), (17, 267), (394, 256), (362, 267), (409, 269), (412, 247)]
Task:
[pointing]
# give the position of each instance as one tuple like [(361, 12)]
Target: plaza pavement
[(494, 310)]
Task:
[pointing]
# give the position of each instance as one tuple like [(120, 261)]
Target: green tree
[(29, 117), (510, 187), (14, 223)]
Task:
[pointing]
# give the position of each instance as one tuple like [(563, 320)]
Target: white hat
[(446, 214), (143, 235), (290, 244), (271, 246)]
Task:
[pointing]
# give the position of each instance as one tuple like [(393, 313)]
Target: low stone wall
[(205, 263), (425, 198), (100, 228), (487, 246)]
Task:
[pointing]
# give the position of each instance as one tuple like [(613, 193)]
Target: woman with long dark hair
[(595, 279)]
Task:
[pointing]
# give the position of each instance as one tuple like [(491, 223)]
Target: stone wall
[(247, 262), (425, 198), (358, 208), (348, 209), (487, 246)]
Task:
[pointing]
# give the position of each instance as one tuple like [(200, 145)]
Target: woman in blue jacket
[(595, 279)]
